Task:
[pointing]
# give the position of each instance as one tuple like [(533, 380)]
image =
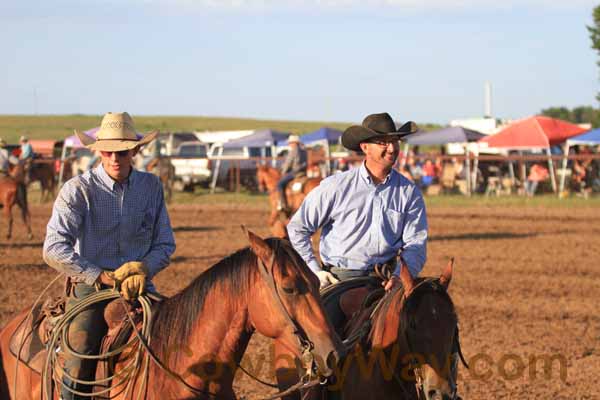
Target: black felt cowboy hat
[(375, 126)]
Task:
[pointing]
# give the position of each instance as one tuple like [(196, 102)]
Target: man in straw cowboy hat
[(26, 157), (6, 158), (367, 215), (109, 226), (294, 164)]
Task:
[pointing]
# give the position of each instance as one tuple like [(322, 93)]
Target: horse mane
[(235, 275), (404, 309)]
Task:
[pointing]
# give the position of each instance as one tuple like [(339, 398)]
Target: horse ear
[(258, 245), (446, 276), (406, 278)]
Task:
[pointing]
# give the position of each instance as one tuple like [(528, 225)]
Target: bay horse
[(201, 333), (43, 172), (162, 167), (268, 177), (400, 347), (13, 191)]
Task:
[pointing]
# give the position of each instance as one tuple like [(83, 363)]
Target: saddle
[(28, 343), (297, 184), (356, 298)]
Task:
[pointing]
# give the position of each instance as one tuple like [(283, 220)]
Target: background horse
[(43, 172), (162, 167), (401, 346), (13, 191), (202, 332), (268, 177)]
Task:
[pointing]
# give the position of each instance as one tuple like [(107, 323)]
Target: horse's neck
[(273, 177), (216, 346)]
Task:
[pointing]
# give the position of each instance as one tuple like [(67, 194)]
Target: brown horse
[(162, 167), (13, 191), (43, 172), (401, 346), (201, 333), (268, 177)]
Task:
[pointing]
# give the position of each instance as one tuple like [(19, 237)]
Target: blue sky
[(327, 60)]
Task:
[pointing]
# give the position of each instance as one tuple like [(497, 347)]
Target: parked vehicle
[(227, 159), (192, 166)]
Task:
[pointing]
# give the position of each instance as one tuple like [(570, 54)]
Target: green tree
[(558, 112), (594, 31)]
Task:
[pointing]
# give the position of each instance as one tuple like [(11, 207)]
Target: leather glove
[(326, 278), (128, 269), (133, 286), (130, 278)]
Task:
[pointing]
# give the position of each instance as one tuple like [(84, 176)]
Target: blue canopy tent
[(587, 138), (323, 135), (452, 134), (260, 138)]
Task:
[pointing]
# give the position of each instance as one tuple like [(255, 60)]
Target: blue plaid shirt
[(98, 223), (362, 223)]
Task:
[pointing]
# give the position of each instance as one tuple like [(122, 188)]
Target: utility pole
[(35, 106)]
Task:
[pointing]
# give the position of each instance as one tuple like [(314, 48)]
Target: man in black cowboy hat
[(368, 215)]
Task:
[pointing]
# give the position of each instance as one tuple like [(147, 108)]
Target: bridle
[(305, 345), (413, 363)]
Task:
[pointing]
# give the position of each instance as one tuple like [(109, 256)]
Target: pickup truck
[(192, 166)]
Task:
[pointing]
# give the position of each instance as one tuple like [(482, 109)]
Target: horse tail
[(4, 390), (22, 199)]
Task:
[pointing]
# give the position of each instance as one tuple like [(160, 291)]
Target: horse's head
[(421, 320), (286, 306), (261, 176), (17, 171)]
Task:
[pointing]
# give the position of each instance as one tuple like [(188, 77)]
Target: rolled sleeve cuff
[(412, 268), (90, 275), (314, 266)]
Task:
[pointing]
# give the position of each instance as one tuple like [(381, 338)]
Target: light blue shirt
[(26, 151), (98, 223), (362, 223)]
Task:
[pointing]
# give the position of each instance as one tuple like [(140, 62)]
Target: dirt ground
[(526, 286)]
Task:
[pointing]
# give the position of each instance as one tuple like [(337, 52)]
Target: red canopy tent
[(535, 132)]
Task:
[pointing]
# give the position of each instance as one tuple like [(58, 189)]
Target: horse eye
[(290, 290), (412, 325)]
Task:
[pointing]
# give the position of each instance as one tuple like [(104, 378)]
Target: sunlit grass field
[(540, 201), (246, 198), (58, 127)]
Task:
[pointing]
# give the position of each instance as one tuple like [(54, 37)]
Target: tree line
[(582, 114)]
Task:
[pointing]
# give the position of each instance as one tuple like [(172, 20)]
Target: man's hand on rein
[(391, 283)]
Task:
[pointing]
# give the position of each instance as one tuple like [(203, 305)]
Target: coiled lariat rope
[(53, 373)]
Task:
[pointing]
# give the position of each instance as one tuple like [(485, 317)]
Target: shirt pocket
[(141, 226), (394, 220)]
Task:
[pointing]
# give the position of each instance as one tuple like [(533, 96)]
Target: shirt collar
[(364, 173), (110, 182)]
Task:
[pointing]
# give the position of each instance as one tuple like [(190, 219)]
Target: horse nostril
[(435, 395), (332, 360)]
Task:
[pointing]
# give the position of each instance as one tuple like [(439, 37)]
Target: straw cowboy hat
[(294, 139), (116, 133), (2, 143), (375, 126)]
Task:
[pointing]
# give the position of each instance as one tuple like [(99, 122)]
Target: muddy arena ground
[(526, 285)]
